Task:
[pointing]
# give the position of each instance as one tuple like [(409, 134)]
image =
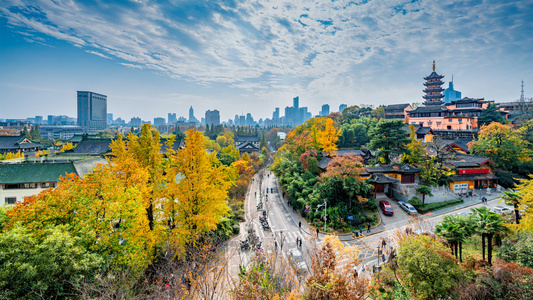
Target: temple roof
[(396, 106), (429, 109), (434, 75)]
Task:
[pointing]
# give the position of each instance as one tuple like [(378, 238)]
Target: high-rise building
[(92, 111), (109, 118), (212, 117), (325, 110), (159, 121), (135, 122), (242, 120), (451, 95), (275, 114), (38, 120), (342, 107), (172, 119), (192, 118), (296, 102)]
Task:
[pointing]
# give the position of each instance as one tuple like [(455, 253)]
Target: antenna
[(522, 94)]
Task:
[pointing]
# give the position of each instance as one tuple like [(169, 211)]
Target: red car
[(386, 208)]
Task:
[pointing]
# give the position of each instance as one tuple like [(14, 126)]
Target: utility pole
[(325, 204)]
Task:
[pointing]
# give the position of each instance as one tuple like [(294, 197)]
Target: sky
[(156, 57)]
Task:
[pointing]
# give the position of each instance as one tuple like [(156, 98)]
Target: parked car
[(298, 261), (386, 208), (408, 208), (463, 214), (501, 210)]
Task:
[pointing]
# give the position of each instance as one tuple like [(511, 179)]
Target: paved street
[(284, 224)]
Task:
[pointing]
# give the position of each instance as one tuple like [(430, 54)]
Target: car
[(386, 208), (298, 261), (501, 210), (463, 214), (408, 208)]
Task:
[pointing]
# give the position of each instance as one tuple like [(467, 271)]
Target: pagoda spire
[(433, 65)]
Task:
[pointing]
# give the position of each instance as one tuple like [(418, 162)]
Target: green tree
[(35, 134), (46, 266), (487, 224), (504, 145), (26, 133), (519, 249), (416, 152), (513, 198), (426, 268), (489, 115), (263, 142), (424, 190), (455, 229), (389, 138)]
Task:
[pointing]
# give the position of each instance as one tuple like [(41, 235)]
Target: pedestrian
[(362, 270), (276, 244), (368, 229), (300, 242), (300, 224), (296, 241), (317, 231)]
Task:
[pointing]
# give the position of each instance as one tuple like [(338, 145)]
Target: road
[(284, 223)]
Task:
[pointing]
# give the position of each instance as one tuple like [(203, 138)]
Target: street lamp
[(325, 204)]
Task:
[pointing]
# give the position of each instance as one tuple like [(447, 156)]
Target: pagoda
[(433, 88)]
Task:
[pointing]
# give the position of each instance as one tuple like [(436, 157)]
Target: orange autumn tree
[(329, 137), (197, 188), (139, 162), (100, 210), (245, 171)]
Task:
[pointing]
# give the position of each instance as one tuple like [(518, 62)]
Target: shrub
[(415, 201)]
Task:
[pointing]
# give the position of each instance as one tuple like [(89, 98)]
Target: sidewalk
[(468, 202)]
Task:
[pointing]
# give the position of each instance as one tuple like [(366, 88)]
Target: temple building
[(457, 114), (433, 88)]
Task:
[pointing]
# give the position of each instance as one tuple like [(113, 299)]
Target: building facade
[(212, 117), (92, 111)]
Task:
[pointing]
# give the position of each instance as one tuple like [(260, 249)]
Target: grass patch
[(437, 205)]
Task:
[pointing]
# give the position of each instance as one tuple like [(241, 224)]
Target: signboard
[(350, 217), (307, 207), (460, 188), (473, 171)]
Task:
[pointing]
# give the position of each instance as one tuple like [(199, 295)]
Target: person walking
[(368, 229), (300, 224), (300, 242), (317, 231)]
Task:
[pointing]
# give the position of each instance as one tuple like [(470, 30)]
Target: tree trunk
[(489, 250), (456, 250), (423, 199), (461, 252), (516, 214), (483, 244), (150, 216)]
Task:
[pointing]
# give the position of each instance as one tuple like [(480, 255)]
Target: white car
[(501, 210), (298, 261), (408, 208)]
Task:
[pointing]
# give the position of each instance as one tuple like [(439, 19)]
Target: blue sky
[(155, 57)]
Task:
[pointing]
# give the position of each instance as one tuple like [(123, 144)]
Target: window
[(449, 120), (15, 186), (11, 200), (438, 123), (46, 185), (460, 120)]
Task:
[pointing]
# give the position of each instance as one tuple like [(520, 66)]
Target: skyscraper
[(192, 118), (212, 117), (325, 110), (342, 107), (92, 111), (172, 119), (275, 114)]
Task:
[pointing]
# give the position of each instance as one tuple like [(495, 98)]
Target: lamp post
[(325, 204)]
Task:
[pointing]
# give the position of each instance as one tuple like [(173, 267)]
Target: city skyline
[(155, 58)]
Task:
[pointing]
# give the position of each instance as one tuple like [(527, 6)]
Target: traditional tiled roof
[(396, 106), (460, 160), (247, 146), (392, 169), (424, 130), (434, 75), (429, 109), (15, 143), (34, 172), (84, 167), (91, 147), (474, 177), (462, 143), (381, 178), (247, 138), (469, 100)]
